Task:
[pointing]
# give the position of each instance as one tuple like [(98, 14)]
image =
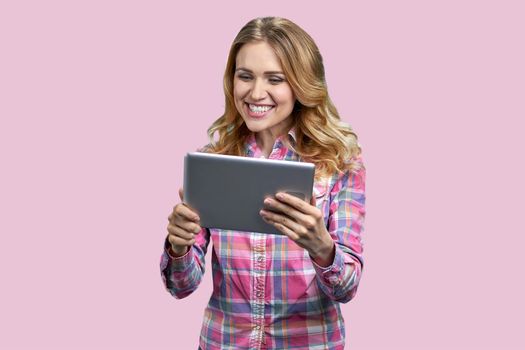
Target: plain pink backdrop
[(100, 100)]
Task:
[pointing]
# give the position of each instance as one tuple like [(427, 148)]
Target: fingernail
[(279, 195)]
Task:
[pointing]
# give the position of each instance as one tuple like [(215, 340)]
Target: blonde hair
[(321, 137)]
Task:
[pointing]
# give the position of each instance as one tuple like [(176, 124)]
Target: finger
[(181, 210), (284, 221), (285, 230), (188, 226), (297, 203), (276, 205), (181, 194), (312, 200), (180, 233), (178, 241)]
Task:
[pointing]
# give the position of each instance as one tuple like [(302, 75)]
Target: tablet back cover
[(228, 191)]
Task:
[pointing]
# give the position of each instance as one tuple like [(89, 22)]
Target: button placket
[(259, 261)]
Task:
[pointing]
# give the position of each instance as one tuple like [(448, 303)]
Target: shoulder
[(352, 178), (356, 166)]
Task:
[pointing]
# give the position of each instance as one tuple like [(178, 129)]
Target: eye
[(276, 80), (244, 77)]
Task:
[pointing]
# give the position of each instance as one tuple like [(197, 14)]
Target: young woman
[(277, 291)]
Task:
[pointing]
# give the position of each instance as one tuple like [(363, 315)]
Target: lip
[(257, 116), (260, 104)]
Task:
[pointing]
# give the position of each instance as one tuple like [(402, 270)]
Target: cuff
[(178, 263), (332, 275)]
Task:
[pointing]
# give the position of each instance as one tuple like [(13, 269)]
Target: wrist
[(324, 256), (177, 251)]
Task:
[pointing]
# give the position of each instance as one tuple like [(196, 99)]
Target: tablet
[(228, 192)]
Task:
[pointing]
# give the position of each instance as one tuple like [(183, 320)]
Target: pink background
[(100, 100)]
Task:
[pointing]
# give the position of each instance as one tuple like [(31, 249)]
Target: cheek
[(284, 96), (239, 90), (237, 97)]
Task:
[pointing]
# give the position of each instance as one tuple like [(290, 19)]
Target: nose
[(258, 90)]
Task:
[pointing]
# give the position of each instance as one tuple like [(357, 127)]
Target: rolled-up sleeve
[(345, 224)]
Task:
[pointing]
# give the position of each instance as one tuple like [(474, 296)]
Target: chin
[(254, 127)]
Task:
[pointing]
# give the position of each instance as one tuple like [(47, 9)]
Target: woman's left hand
[(302, 222)]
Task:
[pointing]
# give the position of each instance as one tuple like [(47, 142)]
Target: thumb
[(312, 200), (181, 194)]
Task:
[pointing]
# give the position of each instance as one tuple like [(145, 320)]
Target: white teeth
[(259, 109)]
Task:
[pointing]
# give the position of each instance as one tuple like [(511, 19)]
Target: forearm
[(325, 254), (345, 225), (339, 281), (181, 274)]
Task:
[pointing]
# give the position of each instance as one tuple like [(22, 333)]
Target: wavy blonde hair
[(321, 137)]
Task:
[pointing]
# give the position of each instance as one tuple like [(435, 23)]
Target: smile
[(258, 112), (259, 109)]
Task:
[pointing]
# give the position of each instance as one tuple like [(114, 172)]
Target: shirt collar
[(251, 144), (292, 135)]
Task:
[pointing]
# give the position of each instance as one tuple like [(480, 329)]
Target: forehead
[(257, 56)]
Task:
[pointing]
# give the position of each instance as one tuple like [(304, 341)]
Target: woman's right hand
[(184, 223)]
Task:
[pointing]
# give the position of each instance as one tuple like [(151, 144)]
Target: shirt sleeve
[(182, 275), (345, 224)]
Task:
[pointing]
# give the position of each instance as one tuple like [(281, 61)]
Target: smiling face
[(262, 95)]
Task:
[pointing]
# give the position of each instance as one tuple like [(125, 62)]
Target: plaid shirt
[(267, 291)]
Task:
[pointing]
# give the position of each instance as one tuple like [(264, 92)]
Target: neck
[(265, 141), (266, 138)]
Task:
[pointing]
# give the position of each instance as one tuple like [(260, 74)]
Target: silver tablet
[(228, 191)]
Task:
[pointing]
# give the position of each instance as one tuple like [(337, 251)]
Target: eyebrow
[(267, 72)]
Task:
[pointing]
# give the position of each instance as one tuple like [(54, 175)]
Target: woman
[(277, 291)]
